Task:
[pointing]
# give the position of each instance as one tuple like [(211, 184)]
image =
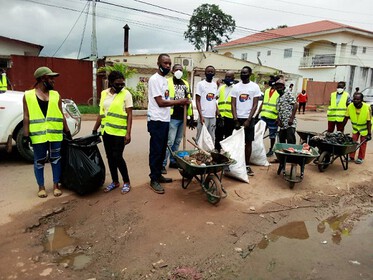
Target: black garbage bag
[(83, 170)]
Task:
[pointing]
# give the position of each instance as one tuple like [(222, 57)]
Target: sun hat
[(41, 71)]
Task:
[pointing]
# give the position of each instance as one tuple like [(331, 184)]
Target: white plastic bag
[(235, 146), (258, 152), (205, 140)]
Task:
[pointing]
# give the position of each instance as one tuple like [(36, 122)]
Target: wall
[(9, 47), (74, 82)]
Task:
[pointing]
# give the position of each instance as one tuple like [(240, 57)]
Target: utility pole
[(94, 52)]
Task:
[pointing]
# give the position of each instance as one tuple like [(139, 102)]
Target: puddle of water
[(331, 249), (57, 241), (76, 261)]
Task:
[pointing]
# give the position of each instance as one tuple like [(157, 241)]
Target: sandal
[(42, 193), (57, 192), (111, 187), (126, 188)]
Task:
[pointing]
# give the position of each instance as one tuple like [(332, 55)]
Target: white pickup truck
[(11, 121)]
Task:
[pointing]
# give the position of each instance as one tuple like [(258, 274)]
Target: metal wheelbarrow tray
[(208, 176), (294, 159)]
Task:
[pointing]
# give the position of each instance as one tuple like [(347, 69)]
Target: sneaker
[(163, 170), (173, 165), (249, 171), (359, 161), (156, 187), (351, 159), (270, 153), (163, 179)]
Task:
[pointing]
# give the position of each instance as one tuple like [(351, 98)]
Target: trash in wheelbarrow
[(200, 158), (306, 149), (334, 138), (83, 170)]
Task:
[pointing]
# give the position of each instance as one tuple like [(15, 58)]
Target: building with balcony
[(322, 51)]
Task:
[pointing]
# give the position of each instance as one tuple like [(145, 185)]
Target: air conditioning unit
[(186, 62)]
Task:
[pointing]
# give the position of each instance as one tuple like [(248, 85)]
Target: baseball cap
[(41, 71)]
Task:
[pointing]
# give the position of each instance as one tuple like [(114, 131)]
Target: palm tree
[(121, 67)]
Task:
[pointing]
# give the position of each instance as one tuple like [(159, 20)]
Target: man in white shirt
[(245, 96), (158, 121), (206, 103)]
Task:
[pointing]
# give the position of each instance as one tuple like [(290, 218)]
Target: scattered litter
[(252, 208), (209, 223), (46, 272), (324, 242), (238, 249), (159, 264), (354, 262)]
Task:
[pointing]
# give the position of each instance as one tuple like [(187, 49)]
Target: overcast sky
[(63, 27)]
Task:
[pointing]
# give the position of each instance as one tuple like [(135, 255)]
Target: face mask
[(48, 85), (280, 91), (117, 89), (163, 70), (340, 90), (228, 82), (178, 74), (245, 77), (209, 76), (358, 104)]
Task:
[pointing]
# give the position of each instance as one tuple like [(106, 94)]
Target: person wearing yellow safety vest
[(339, 101), (224, 120), (115, 119), (3, 81), (44, 125), (268, 112), (360, 115), (178, 88)]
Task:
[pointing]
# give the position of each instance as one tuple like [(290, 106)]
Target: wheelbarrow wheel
[(292, 175), (212, 187), (323, 161)]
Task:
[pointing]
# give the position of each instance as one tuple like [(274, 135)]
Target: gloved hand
[(369, 137), (26, 140), (95, 132), (192, 124), (219, 121), (237, 124), (67, 135)]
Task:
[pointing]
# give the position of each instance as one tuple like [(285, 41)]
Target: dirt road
[(263, 230)]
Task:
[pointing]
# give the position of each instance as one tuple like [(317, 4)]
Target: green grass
[(86, 109)]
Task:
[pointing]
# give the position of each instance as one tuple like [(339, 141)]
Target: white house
[(323, 51)]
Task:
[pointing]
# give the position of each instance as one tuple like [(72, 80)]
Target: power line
[(84, 27)]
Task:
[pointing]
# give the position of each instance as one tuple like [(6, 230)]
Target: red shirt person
[(302, 99)]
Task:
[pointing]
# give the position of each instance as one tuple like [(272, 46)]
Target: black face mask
[(228, 82), (163, 70), (48, 86), (209, 76), (117, 89), (358, 105), (280, 91), (244, 77)]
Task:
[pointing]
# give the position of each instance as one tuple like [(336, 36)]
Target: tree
[(209, 26), (121, 67), (272, 28)]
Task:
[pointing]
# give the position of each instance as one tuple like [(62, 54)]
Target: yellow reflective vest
[(336, 113), (224, 105), (359, 122), (3, 83), (171, 90), (44, 128), (114, 122), (269, 108)]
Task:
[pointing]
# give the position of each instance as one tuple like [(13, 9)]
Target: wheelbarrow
[(305, 137), (329, 152), (209, 176), (294, 159)]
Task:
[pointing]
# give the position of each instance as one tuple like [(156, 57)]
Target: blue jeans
[(157, 147), (175, 134), (40, 157)]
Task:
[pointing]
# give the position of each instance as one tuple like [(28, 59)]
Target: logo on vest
[(210, 96), (166, 95), (244, 97)]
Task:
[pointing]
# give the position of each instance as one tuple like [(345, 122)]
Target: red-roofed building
[(322, 51)]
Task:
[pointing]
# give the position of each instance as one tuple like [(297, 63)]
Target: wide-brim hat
[(42, 71)]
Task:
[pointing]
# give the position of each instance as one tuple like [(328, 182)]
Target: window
[(288, 53), (258, 54), (364, 49), (306, 52), (244, 56), (353, 50), (268, 53)]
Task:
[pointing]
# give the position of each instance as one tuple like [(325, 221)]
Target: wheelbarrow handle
[(358, 146)]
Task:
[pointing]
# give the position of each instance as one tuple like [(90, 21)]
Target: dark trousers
[(302, 105), (287, 135), (157, 147), (114, 147), (332, 125), (222, 132)]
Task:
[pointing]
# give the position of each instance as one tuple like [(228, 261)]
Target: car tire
[(25, 151)]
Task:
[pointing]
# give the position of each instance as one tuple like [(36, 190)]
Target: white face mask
[(340, 90), (178, 74)]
